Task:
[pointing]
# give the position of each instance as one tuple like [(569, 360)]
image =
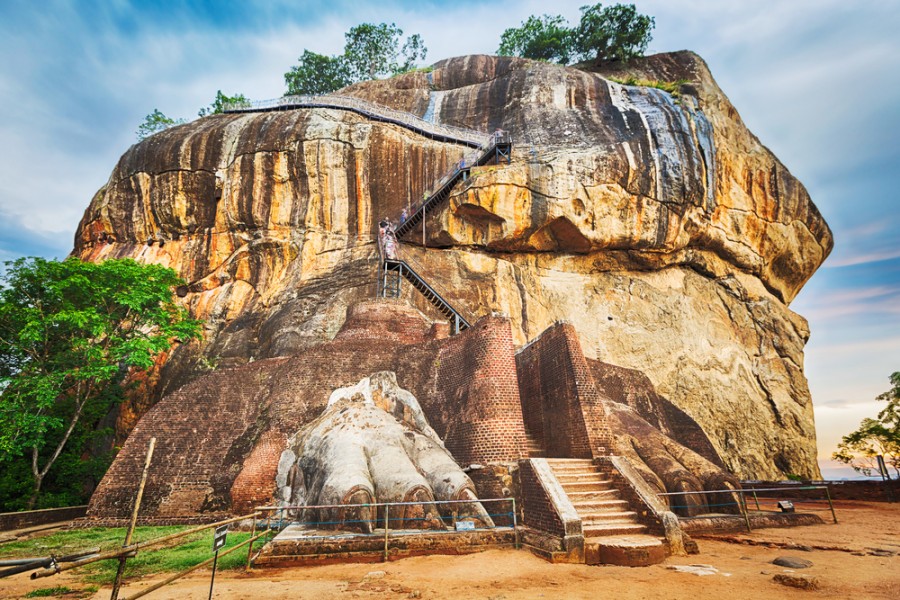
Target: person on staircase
[(387, 240)]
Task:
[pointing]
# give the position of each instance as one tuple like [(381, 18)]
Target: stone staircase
[(534, 447), (613, 534)]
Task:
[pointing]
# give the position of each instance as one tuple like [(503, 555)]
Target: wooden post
[(756, 498), (134, 514), (250, 548)]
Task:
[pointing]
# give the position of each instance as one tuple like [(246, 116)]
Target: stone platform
[(296, 545)]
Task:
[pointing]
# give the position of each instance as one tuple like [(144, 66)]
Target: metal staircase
[(499, 147), (389, 287)]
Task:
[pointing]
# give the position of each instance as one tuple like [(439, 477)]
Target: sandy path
[(744, 572)]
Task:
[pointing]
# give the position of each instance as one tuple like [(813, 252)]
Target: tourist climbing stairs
[(497, 148), (389, 284)]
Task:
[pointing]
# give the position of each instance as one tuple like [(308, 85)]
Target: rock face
[(658, 226)]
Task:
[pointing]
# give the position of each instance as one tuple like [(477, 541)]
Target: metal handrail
[(467, 136)]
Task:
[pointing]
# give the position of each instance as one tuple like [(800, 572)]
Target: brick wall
[(556, 384), (537, 508), (219, 438)]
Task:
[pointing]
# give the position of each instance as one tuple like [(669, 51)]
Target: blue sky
[(817, 80)]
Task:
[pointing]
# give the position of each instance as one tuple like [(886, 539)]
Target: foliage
[(69, 333), (156, 122), (218, 104), (317, 74), (59, 590), (541, 38), (672, 87), (370, 51), (616, 32), (874, 437), (177, 556)]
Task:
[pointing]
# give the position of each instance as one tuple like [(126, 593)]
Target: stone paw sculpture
[(671, 467), (373, 444)]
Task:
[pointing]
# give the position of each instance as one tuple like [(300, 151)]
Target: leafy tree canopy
[(541, 38), (317, 74), (874, 437), (220, 101), (616, 32), (156, 122), (370, 51), (70, 331)]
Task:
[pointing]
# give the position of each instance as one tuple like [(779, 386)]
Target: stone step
[(595, 530), (564, 464), (592, 495), (625, 550), (592, 506), (621, 516), (591, 486), (580, 478)]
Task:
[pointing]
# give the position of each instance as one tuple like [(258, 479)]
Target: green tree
[(156, 122), (218, 105), (317, 74), (874, 437), (540, 38), (616, 32), (69, 332), (370, 51), (374, 50)]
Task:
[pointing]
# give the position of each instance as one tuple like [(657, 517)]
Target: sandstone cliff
[(657, 225)]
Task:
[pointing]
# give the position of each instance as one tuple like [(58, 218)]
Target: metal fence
[(392, 520), (466, 136), (762, 497)]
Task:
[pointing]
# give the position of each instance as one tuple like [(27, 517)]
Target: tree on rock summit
[(616, 32), (370, 51)]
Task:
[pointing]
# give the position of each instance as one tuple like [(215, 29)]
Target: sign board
[(882, 468), (786, 506), (465, 525), (219, 537)]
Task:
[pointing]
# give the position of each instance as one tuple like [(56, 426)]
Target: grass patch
[(672, 87), (177, 556), (48, 592)]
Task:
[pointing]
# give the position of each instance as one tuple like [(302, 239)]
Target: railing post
[(250, 549), (830, 504), (756, 498), (515, 524), (386, 527), (743, 505), (120, 572)]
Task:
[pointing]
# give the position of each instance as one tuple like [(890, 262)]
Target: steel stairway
[(498, 147), (389, 287)]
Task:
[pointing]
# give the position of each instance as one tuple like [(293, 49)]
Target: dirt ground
[(861, 561)]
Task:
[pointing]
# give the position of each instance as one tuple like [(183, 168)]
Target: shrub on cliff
[(71, 331), (616, 32), (875, 437)]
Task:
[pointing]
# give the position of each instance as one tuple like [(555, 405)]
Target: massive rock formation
[(657, 224)]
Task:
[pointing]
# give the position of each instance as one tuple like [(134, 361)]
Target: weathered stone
[(792, 562), (803, 582), (659, 226)]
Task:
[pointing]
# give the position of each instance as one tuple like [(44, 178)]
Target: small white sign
[(465, 525)]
